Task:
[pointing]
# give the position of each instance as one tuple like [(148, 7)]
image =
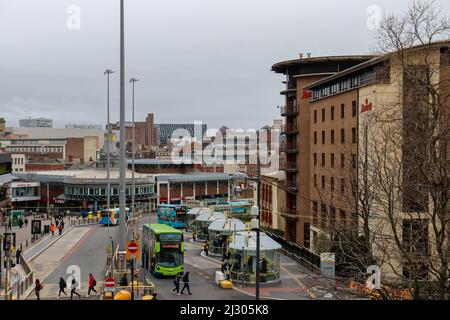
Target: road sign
[(132, 247), (110, 282), (121, 256)]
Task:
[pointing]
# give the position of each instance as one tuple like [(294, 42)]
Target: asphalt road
[(89, 255)]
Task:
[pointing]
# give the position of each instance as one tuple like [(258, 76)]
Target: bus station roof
[(211, 216), (227, 225), (247, 241), (199, 210)]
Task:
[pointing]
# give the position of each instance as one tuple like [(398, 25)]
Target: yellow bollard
[(123, 295)]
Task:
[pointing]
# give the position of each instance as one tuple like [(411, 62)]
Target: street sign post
[(110, 284)]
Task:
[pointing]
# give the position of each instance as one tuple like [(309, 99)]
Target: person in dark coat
[(186, 283), (18, 253), (73, 289), (177, 282), (62, 287), (37, 289)]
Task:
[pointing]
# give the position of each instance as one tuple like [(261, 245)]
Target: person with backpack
[(37, 289), (73, 289), (206, 248), (52, 229), (92, 284), (60, 229), (62, 286), (177, 282), (186, 283)]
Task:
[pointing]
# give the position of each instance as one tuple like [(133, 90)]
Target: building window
[(323, 182), (342, 185), (342, 136), (323, 114), (315, 180), (354, 161), (332, 137), (342, 218), (354, 136), (315, 116), (315, 159), (323, 137), (332, 113), (315, 208), (333, 217), (332, 183), (323, 215), (342, 111), (332, 160), (342, 160), (315, 137), (354, 108), (323, 159)]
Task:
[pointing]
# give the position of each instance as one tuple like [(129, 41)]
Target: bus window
[(169, 258)]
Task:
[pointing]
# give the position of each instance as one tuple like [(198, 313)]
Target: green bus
[(162, 250)]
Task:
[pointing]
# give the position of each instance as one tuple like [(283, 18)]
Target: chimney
[(309, 54), (301, 55)]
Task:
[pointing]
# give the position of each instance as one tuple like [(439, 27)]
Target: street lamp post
[(132, 81), (258, 197), (122, 187), (108, 73)]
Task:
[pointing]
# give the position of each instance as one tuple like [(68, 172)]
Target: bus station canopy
[(199, 210), (227, 225), (247, 241), (209, 217)]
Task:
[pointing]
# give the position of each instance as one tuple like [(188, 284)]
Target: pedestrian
[(62, 287), (26, 222), (227, 272), (73, 289), (222, 266), (52, 229), (60, 229), (10, 223), (194, 235), (124, 281), (20, 223), (37, 289), (186, 283), (92, 284), (206, 248), (18, 253), (176, 282), (264, 265), (62, 224)]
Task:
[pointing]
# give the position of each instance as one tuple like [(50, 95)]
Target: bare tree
[(409, 155)]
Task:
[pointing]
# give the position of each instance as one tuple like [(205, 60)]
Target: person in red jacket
[(92, 284)]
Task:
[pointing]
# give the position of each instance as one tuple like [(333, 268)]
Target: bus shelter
[(220, 232), (193, 213), (202, 222), (243, 258)]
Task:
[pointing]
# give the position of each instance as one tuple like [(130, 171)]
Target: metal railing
[(300, 254)]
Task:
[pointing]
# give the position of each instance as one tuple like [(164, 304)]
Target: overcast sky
[(205, 60)]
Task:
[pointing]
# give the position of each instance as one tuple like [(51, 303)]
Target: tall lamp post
[(132, 81), (108, 73), (122, 184)]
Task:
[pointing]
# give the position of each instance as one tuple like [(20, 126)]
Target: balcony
[(291, 128), (289, 213), (291, 186), (287, 111), (290, 166)]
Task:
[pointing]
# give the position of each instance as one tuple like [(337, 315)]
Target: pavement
[(83, 250)]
